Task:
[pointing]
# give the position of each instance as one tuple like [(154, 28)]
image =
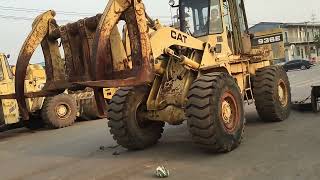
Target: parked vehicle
[(313, 61), (297, 64)]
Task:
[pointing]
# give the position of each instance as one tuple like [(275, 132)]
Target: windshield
[(203, 17)]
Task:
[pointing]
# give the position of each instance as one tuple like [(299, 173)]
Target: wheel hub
[(62, 110), (282, 93), (226, 112), (229, 112)]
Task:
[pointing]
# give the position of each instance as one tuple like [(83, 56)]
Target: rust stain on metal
[(75, 38), (88, 58), (142, 68), (39, 31)]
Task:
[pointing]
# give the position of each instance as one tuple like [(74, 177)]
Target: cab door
[(9, 111)]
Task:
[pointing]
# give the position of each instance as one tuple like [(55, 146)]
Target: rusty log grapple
[(88, 58)]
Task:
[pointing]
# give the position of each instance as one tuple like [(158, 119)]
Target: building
[(298, 38)]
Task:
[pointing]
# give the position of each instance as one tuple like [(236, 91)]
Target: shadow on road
[(5, 135), (302, 108)]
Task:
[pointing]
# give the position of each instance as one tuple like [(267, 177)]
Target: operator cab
[(201, 18), (216, 21)]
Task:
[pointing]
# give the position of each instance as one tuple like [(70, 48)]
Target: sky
[(15, 22)]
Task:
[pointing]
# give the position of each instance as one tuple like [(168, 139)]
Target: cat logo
[(179, 36)]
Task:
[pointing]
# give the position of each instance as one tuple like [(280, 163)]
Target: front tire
[(215, 112), (59, 111), (314, 100), (127, 124), (272, 94)]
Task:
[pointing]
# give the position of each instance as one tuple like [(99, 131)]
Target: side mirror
[(8, 56)]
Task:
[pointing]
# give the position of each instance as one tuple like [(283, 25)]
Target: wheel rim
[(62, 111), (282, 93), (229, 112), (140, 120), (303, 67)]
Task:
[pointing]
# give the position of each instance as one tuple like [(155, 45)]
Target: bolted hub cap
[(62, 110), (230, 113), (226, 112)]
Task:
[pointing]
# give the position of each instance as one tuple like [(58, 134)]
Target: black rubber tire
[(266, 95), (90, 110), (123, 122), (51, 118), (204, 113), (314, 101), (35, 122)]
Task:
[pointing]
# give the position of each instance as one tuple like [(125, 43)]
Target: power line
[(15, 18), (19, 18), (18, 9), (71, 13)]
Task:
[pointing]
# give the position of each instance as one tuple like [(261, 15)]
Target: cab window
[(203, 17), (242, 21), (196, 14), (215, 22)]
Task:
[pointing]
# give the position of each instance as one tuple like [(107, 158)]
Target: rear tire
[(59, 111), (272, 93), (215, 112), (314, 101), (127, 126)]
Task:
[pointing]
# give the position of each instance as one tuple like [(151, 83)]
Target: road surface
[(286, 151)]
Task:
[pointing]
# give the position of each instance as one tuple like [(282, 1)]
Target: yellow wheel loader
[(201, 72), (34, 81), (56, 112)]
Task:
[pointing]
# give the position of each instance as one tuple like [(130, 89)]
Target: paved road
[(286, 151), (301, 82)]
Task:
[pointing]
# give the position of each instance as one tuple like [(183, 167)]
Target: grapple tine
[(133, 13), (39, 31)]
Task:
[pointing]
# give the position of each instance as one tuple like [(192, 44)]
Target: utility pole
[(312, 25), (313, 20), (308, 55)]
